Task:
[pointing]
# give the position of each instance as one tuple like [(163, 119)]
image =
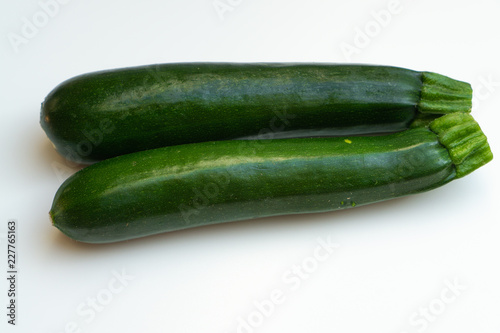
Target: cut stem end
[(465, 141), (442, 95)]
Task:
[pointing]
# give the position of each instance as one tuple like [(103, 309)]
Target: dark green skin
[(192, 185), (105, 114)]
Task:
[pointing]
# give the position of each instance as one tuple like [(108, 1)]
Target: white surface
[(394, 259)]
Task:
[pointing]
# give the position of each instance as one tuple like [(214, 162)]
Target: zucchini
[(105, 114), (192, 185)]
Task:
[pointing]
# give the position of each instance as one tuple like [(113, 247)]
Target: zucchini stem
[(441, 95), (465, 141)]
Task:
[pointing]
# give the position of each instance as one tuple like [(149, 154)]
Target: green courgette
[(104, 114), (192, 185)]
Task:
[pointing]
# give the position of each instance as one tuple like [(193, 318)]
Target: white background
[(395, 260)]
